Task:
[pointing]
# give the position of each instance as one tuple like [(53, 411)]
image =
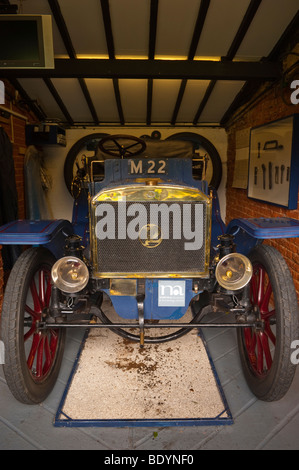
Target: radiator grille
[(165, 254)]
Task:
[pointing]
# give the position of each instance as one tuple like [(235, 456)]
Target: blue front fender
[(249, 232), (49, 233)]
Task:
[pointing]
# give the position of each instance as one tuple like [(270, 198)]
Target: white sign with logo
[(171, 293)]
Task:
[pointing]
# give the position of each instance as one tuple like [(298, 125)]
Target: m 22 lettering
[(147, 166)]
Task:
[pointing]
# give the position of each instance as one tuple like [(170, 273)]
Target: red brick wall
[(15, 129), (269, 108)]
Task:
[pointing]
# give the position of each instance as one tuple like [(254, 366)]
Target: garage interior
[(206, 70)]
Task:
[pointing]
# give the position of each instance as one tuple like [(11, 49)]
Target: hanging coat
[(8, 196), (36, 203)]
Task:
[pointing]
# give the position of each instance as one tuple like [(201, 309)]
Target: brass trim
[(161, 192), (90, 166), (137, 193), (180, 275), (150, 242), (123, 287)]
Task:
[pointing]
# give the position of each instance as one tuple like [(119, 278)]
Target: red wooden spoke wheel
[(41, 345), (259, 342), (33, 354), (265, 350)]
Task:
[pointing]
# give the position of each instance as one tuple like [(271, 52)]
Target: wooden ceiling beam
[(156, 69)]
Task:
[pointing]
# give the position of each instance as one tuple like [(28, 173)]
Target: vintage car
[(147, 232)]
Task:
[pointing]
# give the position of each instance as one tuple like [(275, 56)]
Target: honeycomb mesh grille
[(170, 256)]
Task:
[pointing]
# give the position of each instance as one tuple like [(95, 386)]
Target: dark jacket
[(8, 195)]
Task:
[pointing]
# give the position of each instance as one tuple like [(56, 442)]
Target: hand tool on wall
[(282, 168), (255, 174), (272, 145), (270, 174), (264, 176), (259, 150), (277, 174), (288, 173)]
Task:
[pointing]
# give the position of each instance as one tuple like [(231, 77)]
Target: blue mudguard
[(250, 232), (49, 233)]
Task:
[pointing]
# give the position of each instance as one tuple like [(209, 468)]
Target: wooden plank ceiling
[(154, 62)]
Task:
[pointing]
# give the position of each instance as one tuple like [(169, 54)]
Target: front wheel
[(32, 355), (265, 351)]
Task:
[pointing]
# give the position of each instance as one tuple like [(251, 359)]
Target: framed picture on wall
[(273, 173)]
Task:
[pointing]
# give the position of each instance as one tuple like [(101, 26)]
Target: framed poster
[(273, 173)]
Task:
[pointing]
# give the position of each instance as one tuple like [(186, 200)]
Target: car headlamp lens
[(70, 274), (234, 271)]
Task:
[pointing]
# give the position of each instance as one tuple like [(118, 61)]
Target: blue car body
[(52, 233)]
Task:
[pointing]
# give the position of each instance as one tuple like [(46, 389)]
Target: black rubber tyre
[(32, 356), (266, 354)]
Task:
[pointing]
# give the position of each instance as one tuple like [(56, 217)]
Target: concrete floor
[(257, 425)]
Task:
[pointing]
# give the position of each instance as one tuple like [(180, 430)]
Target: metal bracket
[(140, 305)]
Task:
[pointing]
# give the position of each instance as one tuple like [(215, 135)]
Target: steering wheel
[(122, 146)]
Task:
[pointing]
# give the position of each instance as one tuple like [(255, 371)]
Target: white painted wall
[(61, 201)]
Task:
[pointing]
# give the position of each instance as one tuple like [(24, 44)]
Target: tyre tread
[(11, 303), (287, 300)]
